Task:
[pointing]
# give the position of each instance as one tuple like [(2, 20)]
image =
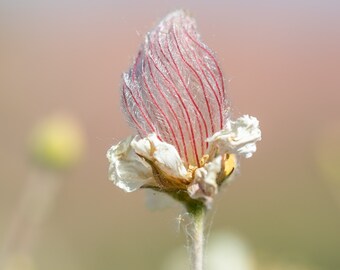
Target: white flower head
[(174, 96)]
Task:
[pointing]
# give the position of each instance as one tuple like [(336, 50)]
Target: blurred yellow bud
[(57, 142)]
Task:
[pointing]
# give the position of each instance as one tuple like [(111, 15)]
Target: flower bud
[(175, 88), (174, 96)]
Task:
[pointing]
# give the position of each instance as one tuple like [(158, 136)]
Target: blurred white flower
[(228, 251), (224, 251)]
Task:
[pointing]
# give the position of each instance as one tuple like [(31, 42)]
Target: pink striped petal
[(175, 88)]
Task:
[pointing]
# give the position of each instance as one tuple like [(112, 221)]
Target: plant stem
[(33, 208), (196, 235)]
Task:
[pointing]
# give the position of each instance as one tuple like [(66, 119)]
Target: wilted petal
[(204, 185), (127, 170), (158, 200), (163, 155), (238, 137), (175, 88)]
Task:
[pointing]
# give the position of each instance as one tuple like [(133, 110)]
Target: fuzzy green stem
[(195, 230), (196, 235)]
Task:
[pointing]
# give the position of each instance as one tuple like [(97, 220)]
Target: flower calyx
[(150, 163)]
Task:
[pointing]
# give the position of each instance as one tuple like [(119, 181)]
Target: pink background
[(283, 59)]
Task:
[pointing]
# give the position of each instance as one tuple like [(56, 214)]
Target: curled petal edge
[(133, 163), (204, 185), (127, 170), (164, 155), (238, 137)]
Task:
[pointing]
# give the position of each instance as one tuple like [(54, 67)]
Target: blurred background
[(283, 60)]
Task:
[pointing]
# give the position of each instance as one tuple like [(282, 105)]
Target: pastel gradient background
[(283, 60)]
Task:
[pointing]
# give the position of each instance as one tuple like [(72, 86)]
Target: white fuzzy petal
[(238, 137), (163, 154), (142, 147), (127, 170)]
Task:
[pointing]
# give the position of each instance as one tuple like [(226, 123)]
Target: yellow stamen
[(203, 160)]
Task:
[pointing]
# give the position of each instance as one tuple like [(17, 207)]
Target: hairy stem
[(196, 236)]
